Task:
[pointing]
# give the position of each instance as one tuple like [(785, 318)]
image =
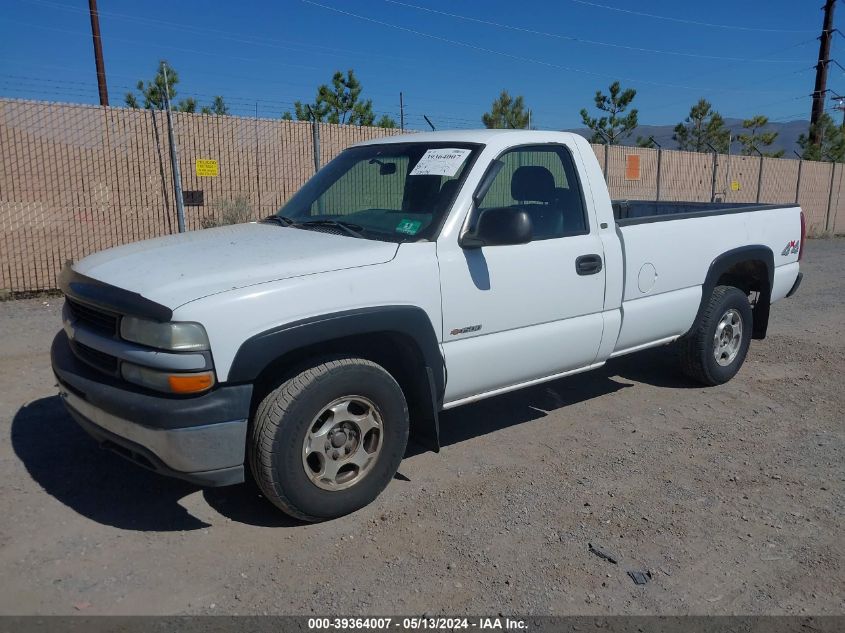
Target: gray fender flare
[(259, 351)]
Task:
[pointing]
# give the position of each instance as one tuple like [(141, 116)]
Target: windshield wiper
[(278, 219), (355, 230)]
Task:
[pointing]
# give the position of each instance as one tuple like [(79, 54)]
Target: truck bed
[(665, 262), (627, 212)]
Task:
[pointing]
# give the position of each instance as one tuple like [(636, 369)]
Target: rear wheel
[(327, 441), (713, 353)]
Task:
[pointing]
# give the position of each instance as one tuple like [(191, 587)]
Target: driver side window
[(542, 181)]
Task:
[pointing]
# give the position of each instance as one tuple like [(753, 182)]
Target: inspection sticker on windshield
[(408, 227), (440, 162)]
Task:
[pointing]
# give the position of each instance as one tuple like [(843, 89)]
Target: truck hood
[(176, 269)]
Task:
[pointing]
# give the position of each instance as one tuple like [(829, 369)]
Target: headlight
[(181, 337), (167, 381)]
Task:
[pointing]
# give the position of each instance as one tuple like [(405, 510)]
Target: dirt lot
[(733, 496)]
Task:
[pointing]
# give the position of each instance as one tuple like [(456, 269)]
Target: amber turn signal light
[(190, 383)]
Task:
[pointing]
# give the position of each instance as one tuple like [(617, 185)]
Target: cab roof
[(483, 136)]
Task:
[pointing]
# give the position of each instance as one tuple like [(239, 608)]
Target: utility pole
[(821, 72), (401, 112), (98, 53)]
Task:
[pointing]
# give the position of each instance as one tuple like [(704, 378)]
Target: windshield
[(393, 191)]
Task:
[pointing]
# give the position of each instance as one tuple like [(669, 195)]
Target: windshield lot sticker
[(440, 162), (408, 227)]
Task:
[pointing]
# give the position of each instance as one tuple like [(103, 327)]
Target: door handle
[(588, 264)]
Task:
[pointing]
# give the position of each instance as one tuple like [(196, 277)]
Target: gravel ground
[(731, 496)]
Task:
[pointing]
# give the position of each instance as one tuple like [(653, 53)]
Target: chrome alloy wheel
[(343, 443), (728, 337)]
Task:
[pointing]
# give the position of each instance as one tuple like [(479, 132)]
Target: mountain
[(787, 139)]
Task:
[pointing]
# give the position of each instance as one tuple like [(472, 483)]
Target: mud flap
[(425, 429)]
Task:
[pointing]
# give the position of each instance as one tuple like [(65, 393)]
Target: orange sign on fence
[(632, 167)]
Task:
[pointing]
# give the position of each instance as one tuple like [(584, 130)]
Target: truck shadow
[(106, 488), (657, 367), (97, 484)]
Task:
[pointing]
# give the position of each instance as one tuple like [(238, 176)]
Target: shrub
[(226, 212)]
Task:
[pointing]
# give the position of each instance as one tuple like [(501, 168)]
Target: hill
[(787, 139)]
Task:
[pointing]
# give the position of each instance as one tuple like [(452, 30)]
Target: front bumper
[(201, 439)]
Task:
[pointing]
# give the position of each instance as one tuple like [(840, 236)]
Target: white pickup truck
[(410, 275)]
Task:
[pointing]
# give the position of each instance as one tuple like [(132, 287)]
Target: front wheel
[(714, 351), (327, 441)]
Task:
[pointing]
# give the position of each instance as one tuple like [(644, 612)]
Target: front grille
[(94, 318), (97, 359)]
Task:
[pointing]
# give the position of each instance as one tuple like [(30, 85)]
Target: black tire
[(697, 348), (285, 417)]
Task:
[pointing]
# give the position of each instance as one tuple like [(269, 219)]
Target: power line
[(694, 22), (242, 38), (167, 46), (672, 104), (517, 57), (580, 40)]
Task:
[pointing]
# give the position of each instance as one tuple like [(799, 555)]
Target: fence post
[(315, 142), (659, 160), (161, 170), (713, 182), (174, 156), (759, 174), (798, 181), (315, 146), (659, 157), (827, 226), (257, 162)]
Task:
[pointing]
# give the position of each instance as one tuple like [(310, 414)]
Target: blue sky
[(450, 60)]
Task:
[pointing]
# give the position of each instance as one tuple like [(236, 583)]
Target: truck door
[(517, 313)]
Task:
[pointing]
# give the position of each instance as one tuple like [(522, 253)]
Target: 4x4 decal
[(792, 247)]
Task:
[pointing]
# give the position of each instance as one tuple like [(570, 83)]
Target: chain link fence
[(76, 179), (819, 188)]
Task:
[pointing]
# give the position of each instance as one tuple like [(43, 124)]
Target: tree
[(832, 148), (153, 92), (703, 125), (153, 95), (187, 105), (613, 126), (340, 103), (506, 113), (755, 140), (218, 106), (385, 121)]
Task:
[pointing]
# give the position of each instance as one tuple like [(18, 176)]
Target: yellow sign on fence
[(207, 167), (735, 186)]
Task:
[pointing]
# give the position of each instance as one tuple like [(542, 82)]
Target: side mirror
[(499, 227)]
